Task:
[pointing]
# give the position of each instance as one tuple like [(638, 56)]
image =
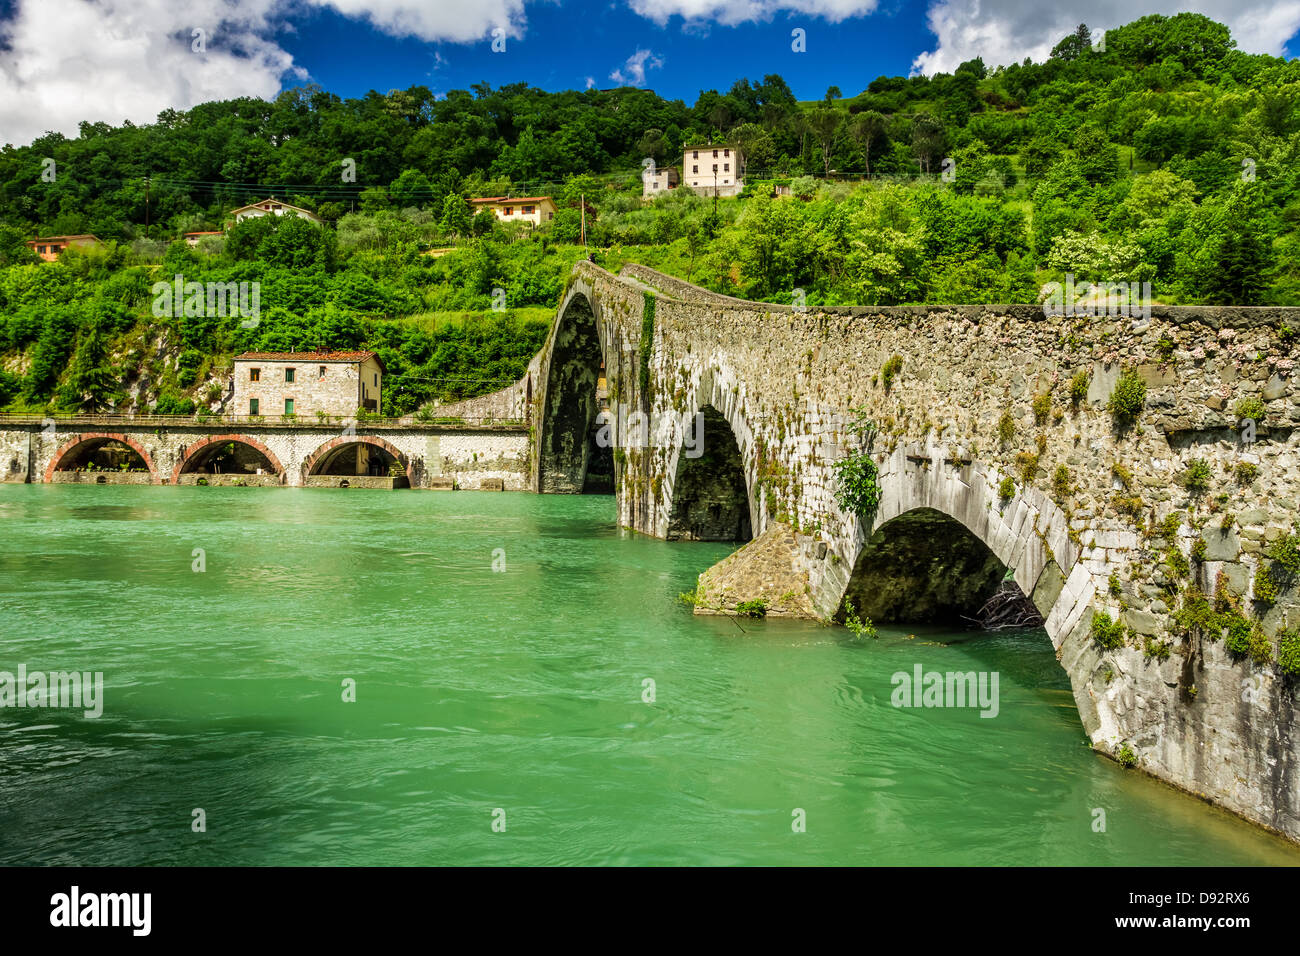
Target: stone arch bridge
[(716, 418), (459, 453)]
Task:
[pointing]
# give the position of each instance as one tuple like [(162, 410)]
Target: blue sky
[(564, 49), (64, 61)]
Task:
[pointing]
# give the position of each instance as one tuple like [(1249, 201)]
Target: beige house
[(273, 207), (534, 209), (51, 247), (713, 170), (192, 238), (658, 182), (307, 383)]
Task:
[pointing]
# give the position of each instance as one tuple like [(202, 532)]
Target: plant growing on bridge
[(1288, 652), (1079, 387), (1196, 477), (1027, 462), (1107, 632), (1126, 756), (893, 365), (861, 627), (1042, 408), (1061, 483), (857, 476), (1007, 489), (754, 608), (1006, 428), (647, 341), (1251, 407), (1128, 398)]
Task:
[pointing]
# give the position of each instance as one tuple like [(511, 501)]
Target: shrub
[(1114, 586), (859, 487), (1157, 649), (1265, 588), (1198, 550), (1251, 407), (755, 608), (1106, 632), (1176, 562), (1027, 462), (1007, 489), (1061, 484), (1123, 474), (860, 626), (1042, 408), (1245, 472), (1129, 506), (1165, 347), (1126, 756), (1286, 552), (893, 365), (1288, 651), (1079, 387), (1006, 428), (1127, 398), (1196, 476)]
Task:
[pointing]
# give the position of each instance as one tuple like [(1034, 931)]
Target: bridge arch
[(331, 458), (82, 447), (202, 452), (570, 458), (930, 498)]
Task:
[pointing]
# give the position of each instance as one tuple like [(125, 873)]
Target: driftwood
[(1007, 608)]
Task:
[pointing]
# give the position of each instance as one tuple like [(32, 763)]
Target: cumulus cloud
[(632, 72), (435, 20), (1007, 31), (732, 12), (63, 61)]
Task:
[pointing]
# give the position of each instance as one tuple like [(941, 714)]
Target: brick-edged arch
[(333, 443), (73, 442), (199, 446)]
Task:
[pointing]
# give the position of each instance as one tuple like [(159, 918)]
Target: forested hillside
[(1158, 153)]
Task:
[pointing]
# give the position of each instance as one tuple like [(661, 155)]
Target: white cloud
[(1007, 31), (591, 81), (63, 61), (732, 12), (68, 60), (632, 73), (434, 20)]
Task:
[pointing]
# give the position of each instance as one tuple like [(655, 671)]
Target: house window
[(695, 169), (376, 379), (715, 167), (726, 152), (726, 182), (40, 249), (715, 154), (695, 154), (252, 406), (288, 375), (726, 167), (510, 210), (528, 210), (550, 215), (254, 374), (288, 406), (322, 371)]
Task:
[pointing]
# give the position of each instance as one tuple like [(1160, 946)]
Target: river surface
[(501, 715)]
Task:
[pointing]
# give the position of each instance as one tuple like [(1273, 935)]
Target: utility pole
[(146, 206), (582, 201)]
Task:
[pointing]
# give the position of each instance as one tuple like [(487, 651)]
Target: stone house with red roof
[(307, 383)]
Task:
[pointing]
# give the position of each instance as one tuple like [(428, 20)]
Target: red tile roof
[(308, 357), (512, 199)]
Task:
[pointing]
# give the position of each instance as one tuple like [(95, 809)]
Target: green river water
[(518, 691)]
